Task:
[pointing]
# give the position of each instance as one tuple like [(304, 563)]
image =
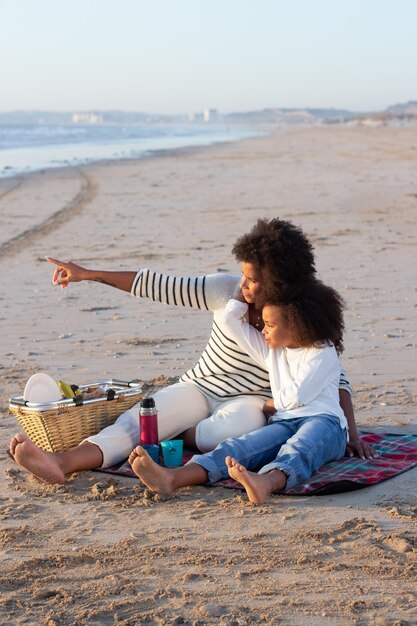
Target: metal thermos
[(148, 423)]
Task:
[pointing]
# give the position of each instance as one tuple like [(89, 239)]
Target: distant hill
[(287, 116), (409, 108), (290, 116), (35, 117), (66, 117)]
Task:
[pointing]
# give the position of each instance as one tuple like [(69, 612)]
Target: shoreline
[(18, 179), (149, 153)]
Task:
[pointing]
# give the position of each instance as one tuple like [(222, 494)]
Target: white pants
[(179, 407)]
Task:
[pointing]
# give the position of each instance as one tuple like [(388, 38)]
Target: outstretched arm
[(209, 293), (68, 272)]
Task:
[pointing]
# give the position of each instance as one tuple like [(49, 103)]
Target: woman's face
[(251, 283), (276, 331)]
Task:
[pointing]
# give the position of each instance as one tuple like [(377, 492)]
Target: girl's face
[(276, 331), (251, 283)]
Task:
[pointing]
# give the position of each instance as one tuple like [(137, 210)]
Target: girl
[(301, 337)]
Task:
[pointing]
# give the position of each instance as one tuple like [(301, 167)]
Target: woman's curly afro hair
[(279, 249)]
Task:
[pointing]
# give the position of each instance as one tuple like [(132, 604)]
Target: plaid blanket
[(396, 454)]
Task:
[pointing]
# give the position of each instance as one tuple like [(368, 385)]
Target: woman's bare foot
[(258, 486), (43, 465), (155, 477)]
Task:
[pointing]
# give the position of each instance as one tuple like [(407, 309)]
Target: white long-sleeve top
[(304, 381)]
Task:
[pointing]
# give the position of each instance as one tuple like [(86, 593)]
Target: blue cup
[(172, 452), (153, 451)]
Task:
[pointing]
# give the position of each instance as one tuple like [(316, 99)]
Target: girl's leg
[(253, 449), (232, 418), (182, 404), (318, 440), (258, 486)]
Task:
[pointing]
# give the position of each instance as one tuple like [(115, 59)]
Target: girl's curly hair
[(280, 250), (313, 312)]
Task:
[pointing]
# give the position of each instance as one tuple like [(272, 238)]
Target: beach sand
[(103, 550)]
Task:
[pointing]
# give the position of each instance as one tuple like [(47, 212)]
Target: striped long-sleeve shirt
[(223, 370)]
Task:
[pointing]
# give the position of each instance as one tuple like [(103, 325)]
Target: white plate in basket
[(41, 388)]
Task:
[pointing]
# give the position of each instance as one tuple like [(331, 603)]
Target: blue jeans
[(297, 446)]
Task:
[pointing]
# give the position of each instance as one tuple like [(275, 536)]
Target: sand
[(102, 550)]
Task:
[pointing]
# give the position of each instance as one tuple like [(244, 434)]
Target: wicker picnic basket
[(59, 426)]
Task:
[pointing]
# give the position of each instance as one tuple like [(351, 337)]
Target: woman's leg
[(51, 467), (165, 480), (232, 418), (178, 406), (318, 440)]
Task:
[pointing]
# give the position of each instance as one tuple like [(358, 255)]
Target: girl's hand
[(357, 447), (66, 273), (240, 297), (269, 408)]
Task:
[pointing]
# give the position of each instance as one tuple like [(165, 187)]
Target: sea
[(29, 148)]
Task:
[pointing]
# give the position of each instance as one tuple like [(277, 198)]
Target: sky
[(180, 56)]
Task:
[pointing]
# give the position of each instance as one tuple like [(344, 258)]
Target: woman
[(223, 395)]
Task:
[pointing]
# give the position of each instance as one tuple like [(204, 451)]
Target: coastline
[(216, 136), (99, 547), (10, 184)]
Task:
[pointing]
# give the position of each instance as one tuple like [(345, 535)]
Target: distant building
[(211, 115), (195, 117), (208, 115), (87, 118)]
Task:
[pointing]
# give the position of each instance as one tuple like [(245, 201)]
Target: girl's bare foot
[(257, 486), (155, 477), (43, 465)]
